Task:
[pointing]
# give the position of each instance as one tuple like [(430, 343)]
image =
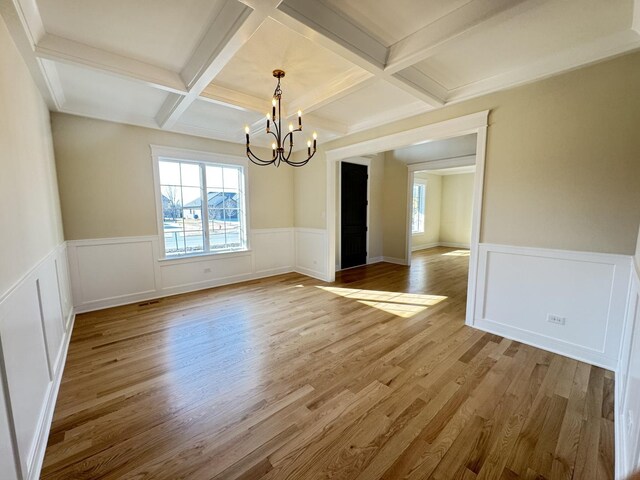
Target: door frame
[(473, 123), (366, 161)]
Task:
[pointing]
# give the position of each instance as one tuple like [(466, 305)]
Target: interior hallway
[(375, 376)]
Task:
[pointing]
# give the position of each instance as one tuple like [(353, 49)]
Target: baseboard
[(167, 292), (424, 246), (372, 260), (317, 274), (397, 261), (466, 246), (545, 343), (47, 416)]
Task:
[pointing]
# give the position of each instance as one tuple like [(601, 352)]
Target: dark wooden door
[(353, 214)]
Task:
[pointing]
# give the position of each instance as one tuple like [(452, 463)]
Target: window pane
[(190, 175), (173, 242), (171, 202), (214, 178), (188, 199), (231, 181), (169, 173), (194, 242)]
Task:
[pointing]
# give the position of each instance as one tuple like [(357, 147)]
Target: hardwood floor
[(373, 377)]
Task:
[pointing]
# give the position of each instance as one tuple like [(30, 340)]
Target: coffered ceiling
[(203, 67)]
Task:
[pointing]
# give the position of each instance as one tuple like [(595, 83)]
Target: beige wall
[(30, 213), (431, 233), (106, 178), (562, 167), (457, 208), (376, 219), (394, 192)]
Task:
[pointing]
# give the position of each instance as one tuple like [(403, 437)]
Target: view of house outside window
[(417, 215), (189, 228)]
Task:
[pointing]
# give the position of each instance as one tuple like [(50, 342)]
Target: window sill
[(199, 257)]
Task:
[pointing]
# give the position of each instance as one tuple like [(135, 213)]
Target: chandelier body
[(282, 146)]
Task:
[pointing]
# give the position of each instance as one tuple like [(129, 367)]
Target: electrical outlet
[(557, 319)]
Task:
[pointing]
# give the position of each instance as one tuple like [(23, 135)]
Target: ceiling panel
[(159, 32), (525, 38), (391, 21), (307, 65), (378, 102), (92, 93)]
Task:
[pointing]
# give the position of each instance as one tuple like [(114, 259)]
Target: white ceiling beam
[(25, 26), (635, 21), (230, 30), (325, 27), (430, 39), (52, 47)]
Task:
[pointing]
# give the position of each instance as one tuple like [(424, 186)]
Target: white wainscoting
[(517, 287), (117, 271), (627, 394), (36, 318), (311, 252)]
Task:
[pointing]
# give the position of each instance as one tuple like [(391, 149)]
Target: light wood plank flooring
[(373, 377)]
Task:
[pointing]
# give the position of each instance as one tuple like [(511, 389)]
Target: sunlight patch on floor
[(458, 253), (403, 305)]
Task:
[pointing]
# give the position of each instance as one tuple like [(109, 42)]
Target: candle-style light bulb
[(291, 127), (309, 143), (246, 129), (273, 145), (273, 101), (299, 118), (315, 136)]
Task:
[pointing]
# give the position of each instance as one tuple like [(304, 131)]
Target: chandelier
[(279, 146)]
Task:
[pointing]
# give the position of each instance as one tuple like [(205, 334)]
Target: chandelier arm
[(257, 160), (303, 162)]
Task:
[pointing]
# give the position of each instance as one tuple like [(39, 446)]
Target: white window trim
[(424, 222), (159, 152)]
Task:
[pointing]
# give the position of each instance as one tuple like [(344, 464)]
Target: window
[(417, 214), (203, 206)]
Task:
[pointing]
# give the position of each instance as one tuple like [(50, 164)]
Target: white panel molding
[(627, 413), (36, 320), (311, 252), (589, 289), (273, 252), (454, 162)]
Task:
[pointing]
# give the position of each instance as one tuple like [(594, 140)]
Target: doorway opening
[(397, 242)]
